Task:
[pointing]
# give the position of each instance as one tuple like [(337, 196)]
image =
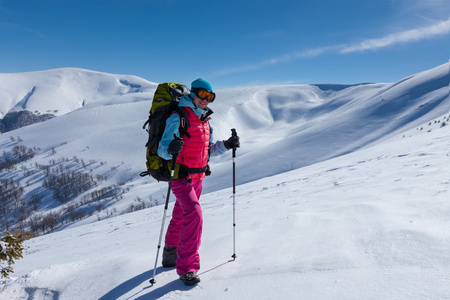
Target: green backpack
[(164, 104)]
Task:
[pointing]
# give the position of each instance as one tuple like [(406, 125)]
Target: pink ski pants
[(185, 227)]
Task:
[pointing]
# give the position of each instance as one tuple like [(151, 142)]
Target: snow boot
[(169, 257), (190, 278)]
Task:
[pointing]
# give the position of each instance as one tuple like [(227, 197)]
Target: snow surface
[(60, 91), (312, 221)]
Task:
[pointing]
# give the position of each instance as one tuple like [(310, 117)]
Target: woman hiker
[(184, 233)]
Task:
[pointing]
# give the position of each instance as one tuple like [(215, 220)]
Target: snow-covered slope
[(282, 128), (342, 191), (372, 224), (293, 126), (60, 91)]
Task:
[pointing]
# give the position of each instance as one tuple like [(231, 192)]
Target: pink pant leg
[(190, 233), (173, 231)]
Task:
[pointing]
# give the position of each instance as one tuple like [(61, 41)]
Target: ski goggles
[(205, 94)]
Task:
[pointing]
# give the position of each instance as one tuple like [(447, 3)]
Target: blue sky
[(229, 42)]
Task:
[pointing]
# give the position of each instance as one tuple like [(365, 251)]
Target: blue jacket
[(173, 124)]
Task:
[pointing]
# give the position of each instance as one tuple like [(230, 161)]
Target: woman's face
[(200, 103)]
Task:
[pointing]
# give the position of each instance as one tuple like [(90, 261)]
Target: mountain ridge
[(281, 128)]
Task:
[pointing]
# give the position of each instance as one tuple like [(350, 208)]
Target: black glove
[(232, 142), (175, 146)]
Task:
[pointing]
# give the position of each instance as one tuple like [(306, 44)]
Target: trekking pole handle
[(175, 137), (233, 133), (174, 157)]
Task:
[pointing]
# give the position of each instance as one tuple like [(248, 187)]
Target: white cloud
[(412, 35), (408, 36)]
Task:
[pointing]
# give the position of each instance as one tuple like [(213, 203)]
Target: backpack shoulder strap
[(184, 122)]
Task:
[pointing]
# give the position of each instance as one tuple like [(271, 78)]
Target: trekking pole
[(174, 160), (233, 133)]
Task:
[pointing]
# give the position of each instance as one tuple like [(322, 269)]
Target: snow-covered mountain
[(57, 92), (281, 127), (342, 192), (60, 91)]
